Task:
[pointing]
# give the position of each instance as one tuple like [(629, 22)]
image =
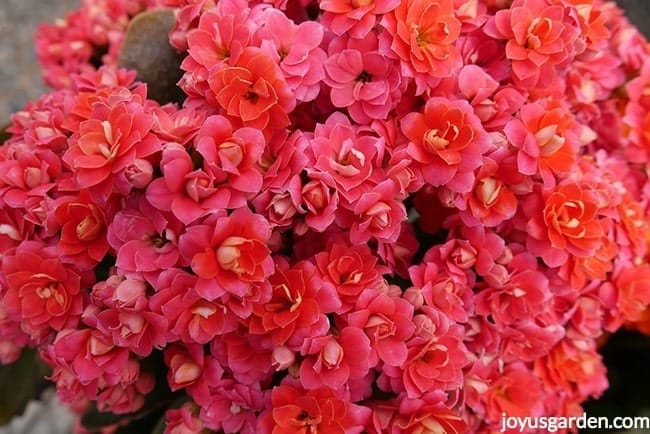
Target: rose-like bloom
[(347, 156), (252, 92), (541, 37), (575, 367), (25, 172), (107, 145), (364, 81), (626, 297), (350, 270), (126, 398), (418, 416), (234, 408), (377, 214), (547, 140), (191, 317), (447, 141), (139, 330), (515, 392), (436, 358), (190, 368), (525, 295), (333, 360), (93, 360), (43, 294), (298, 308), (567, 223), (295, 410), (145, 239), (230, 255), (178, 126), (491, 201), (83, 231), (227, 175), (183, 420), (354, 17), (295, 48), (387, 322), (421, 34)]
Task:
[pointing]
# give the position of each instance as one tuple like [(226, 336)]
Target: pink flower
[(447, 141), (387, 322), (516, 392), (190, 368), (183, 420), (252, 92), (353, 17), (436, 356), (347, 156), (377, 214), (93, 361), (295, 48), (229, 255), (363, 80), (145, 239), (40, 291), (225, 174), (333, 360)]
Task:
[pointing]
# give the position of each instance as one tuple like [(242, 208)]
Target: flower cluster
[(379, 216)]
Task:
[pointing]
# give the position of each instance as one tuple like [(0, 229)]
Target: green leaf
[(21, 382)]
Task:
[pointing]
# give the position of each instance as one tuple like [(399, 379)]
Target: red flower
[(297, 310), (252, 92), (83, 231), (295, 410), (40, 291)]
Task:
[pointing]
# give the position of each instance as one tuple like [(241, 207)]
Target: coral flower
[(421, 35), (83, 231), (447, 141), (228, 255), (253, 92), (107, 146), (301, 299), (42, 293), (567, 224), (540, 37)]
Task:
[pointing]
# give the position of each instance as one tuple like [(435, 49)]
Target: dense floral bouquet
[(379, 216)]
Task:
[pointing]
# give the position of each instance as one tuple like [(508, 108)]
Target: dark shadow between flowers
[(627, 357)]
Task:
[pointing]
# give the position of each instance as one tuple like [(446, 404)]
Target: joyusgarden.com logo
[(556, 423)]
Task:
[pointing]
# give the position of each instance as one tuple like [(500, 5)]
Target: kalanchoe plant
[(393, 216)]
